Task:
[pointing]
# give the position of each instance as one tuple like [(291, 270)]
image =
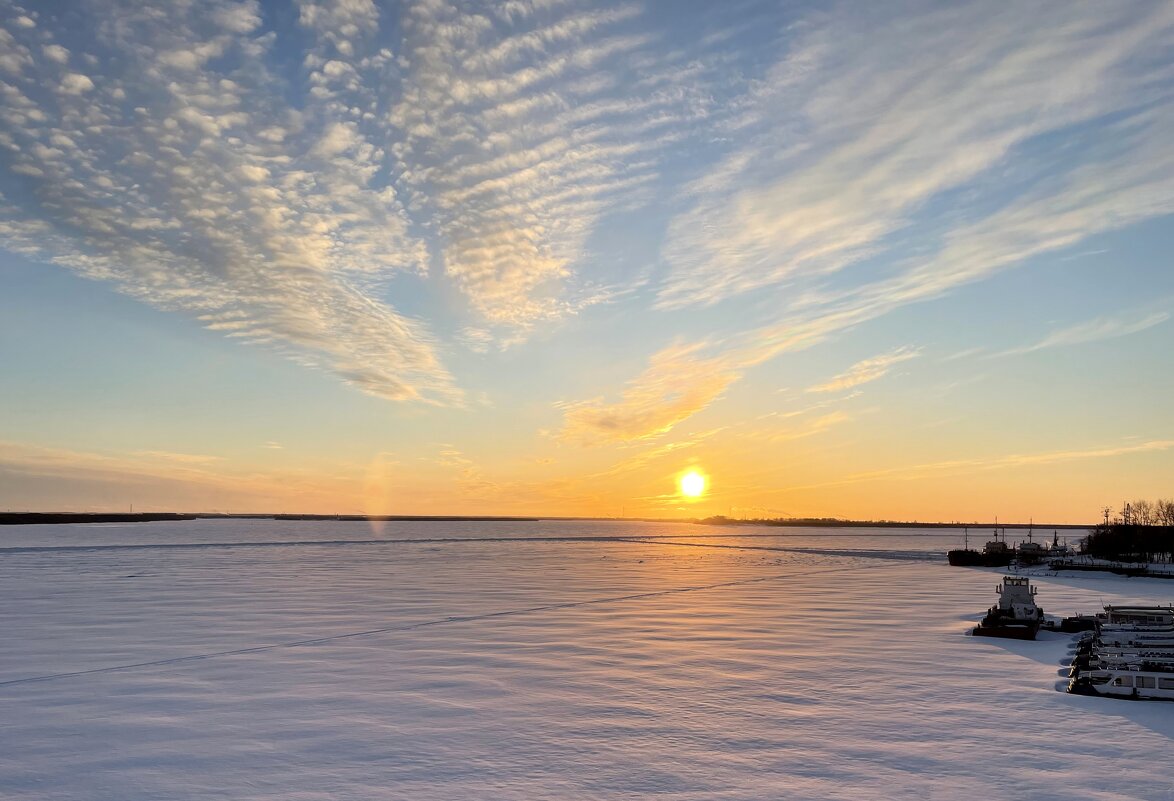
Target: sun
[(692, 484)]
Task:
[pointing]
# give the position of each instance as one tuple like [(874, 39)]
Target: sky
[(905, 261)]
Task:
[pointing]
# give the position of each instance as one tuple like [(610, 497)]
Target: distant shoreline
[(835, 523), (30, 518), (43, 518)]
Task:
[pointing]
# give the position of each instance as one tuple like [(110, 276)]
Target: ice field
[(554, 660)]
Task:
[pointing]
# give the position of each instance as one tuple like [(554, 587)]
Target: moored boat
[(1125, 682), (1015, 615), (964, 557), (1140, 616), (997, 553), (1131, 655)]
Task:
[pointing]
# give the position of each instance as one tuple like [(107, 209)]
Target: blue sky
[(899, 260)]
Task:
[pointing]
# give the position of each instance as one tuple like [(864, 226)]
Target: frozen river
[(550, 660)]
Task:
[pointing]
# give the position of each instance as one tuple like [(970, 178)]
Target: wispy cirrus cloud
[(965, 466), (179, 458), (872, 119), (870, 169), (679, 382), (867, 370), (173, 481), (1094, 330)]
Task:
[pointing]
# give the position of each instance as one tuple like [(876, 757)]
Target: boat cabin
[(1140, 615), (1017, 597)]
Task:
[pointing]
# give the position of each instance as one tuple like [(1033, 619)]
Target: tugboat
[(1015, 615)]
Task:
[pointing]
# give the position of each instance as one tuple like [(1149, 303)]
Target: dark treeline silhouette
[(29, 518), (1142, 532)]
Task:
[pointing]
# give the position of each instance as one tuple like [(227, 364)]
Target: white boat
[(1125, 682), (1142, 616), (1126, 639), (1161, 662)]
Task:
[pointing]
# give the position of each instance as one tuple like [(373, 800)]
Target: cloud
[(203, 177), (181, 458), (184, 177), (159, 479), (965, 353), (639, 461), (1092, 331), (867, 370), (817, 425), (74, 83), (964, 466), (843, 198), (516, 147), (869, 124), (485, 152), (56, 53), (679, 382)]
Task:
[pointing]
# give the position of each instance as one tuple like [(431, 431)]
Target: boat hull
[(964, 558), (1010, 631)]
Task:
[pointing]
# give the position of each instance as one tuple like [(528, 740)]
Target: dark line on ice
[(903, 556), (421, 625), (18, 549), (23, 549)]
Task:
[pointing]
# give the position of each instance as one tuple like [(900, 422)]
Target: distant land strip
[(835, 522), (26, 518)]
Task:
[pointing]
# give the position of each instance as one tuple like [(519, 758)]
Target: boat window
[(1123, 681), (1098, 679), (1166, 684), (1145, 682)]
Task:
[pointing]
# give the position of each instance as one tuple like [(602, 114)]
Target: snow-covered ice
[(217, 659)]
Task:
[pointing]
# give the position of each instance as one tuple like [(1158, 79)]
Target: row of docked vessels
[(998, 553), (1130, 654), (1124, 652)]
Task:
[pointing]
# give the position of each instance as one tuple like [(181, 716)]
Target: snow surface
[(551, 660)]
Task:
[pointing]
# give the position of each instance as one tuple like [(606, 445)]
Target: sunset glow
[(530, 258)]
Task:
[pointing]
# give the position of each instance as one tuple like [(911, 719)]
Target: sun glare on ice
[(692, 484)]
